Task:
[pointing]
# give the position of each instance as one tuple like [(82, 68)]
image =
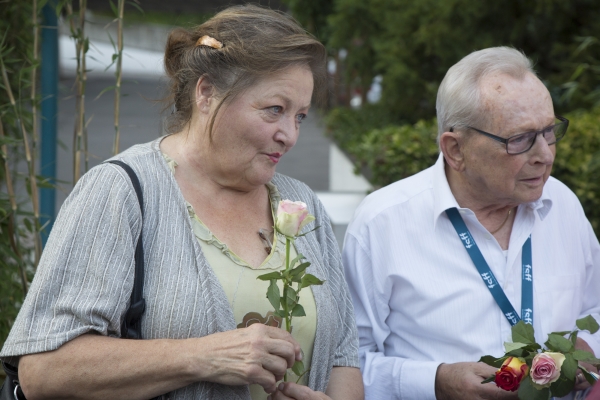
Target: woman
[(241, 85)]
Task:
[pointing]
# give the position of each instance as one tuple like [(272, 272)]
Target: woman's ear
[(204, 95), (452, 145)]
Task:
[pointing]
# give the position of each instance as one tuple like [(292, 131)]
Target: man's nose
[(542, 151)]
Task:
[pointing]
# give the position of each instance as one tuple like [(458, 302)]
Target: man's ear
[(204, 95), (452, 145)]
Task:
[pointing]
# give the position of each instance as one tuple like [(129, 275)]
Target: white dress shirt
[(419, 300)]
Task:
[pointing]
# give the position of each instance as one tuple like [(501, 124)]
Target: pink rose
[(511, 373), (292, 216), (545, 368)]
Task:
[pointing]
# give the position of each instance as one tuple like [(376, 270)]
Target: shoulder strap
[(131, 325)]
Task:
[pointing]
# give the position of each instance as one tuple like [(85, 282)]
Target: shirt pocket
[(558, 301)]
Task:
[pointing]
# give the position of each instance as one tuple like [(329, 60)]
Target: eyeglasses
[(523, 142)]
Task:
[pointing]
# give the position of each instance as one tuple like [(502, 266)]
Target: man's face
[(510, 107)]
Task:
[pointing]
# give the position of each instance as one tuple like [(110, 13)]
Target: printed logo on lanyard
[(488, 276)]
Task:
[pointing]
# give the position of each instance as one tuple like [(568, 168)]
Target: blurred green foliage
[(16, 244), (413, 43), (577, 162)]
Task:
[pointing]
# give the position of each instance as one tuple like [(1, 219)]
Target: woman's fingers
[(290, 390), (258, 354)]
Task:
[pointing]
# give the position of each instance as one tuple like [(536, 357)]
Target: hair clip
[(209, 41)]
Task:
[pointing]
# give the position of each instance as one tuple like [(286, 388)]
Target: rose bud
[(511, 373), (292, 216), (545, 368)]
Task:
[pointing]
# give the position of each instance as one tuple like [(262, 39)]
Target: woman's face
[(257, 128)]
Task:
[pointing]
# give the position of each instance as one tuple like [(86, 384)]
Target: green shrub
[(577, 161), (395, 152)]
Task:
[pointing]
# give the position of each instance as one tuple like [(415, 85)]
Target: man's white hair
[(459, 95)]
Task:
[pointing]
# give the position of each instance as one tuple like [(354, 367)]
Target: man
[(425, 313)]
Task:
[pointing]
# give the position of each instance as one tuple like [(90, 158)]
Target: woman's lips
[(275, 157)]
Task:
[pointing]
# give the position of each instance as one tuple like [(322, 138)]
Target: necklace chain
[(503, 223)]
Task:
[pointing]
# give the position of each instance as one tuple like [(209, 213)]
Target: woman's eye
[(276, 109), (300, 118)]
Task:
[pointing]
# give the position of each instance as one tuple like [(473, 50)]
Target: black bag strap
[(131, 325)]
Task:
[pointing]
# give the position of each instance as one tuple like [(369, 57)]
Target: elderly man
[(426, 311)]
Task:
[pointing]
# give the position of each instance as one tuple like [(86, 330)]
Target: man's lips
[(534, 180)]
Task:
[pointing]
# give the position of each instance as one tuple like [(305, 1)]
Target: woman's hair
[(459, 95), (256, 43)]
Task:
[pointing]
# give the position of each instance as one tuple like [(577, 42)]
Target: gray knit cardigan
[(85, 276)]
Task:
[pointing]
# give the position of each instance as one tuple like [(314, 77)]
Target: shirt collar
[(443, 198)]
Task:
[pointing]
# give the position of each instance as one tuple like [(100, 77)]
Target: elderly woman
[(241, 84)]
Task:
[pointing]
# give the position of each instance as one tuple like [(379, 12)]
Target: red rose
[(510, 375)]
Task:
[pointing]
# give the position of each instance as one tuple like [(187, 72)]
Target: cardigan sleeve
[(85, 276), (346, 350)]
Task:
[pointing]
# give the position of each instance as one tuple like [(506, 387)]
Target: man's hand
[(462, 381), (580, 382)]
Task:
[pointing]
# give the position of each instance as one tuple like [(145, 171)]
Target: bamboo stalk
[(81, 77), (12, 234), (29, 159), (34, 105), (119, 74), (83, 127)]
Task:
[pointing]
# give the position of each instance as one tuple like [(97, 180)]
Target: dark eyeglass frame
[(563, 121)]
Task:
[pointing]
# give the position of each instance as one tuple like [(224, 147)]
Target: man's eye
[(300, 118)]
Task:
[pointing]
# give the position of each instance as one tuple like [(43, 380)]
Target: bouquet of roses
[(292, 217), (540, 373)]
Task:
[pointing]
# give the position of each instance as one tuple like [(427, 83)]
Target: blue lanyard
[(488, 276)]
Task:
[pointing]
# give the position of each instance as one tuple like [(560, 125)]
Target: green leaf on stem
[(561, 333), (569, 367), (588, 377), (299, 270), (297, 259), (298, 367), (573, 337), (280, 314), (558, 343), (588, 324), (309, 279), (528, 392), (273, 294), (585, 356), (510, 346), (517, 353), (490, 379), (290, 297), (522, 333), (269, 276), (298, 311), (493, 361), (562, 386)]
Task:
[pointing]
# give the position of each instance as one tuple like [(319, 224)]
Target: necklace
[(505, 219)]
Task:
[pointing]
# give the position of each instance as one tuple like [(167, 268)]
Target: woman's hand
[(344, 383), (258, 354), (293, 391)]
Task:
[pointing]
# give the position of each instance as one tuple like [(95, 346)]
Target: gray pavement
[(141, 121)]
